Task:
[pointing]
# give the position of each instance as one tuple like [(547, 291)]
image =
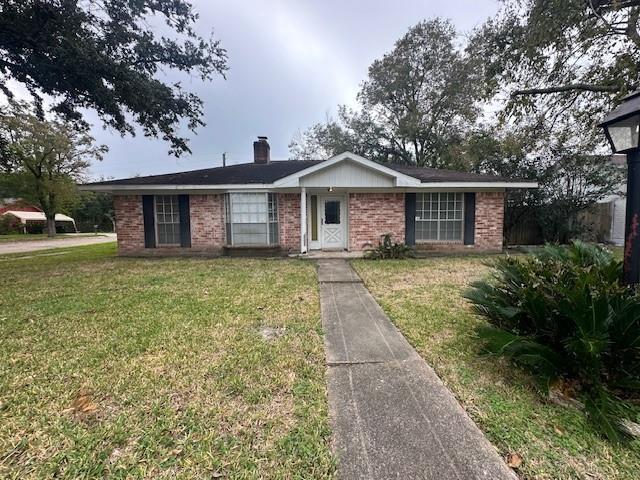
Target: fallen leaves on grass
[(83, 404), (632, 428), (514, 460), (559, 398)]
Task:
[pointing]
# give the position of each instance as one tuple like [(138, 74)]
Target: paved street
[(60, 242)]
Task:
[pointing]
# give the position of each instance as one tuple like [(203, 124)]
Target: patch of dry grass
[(423, 298), (132, 368)]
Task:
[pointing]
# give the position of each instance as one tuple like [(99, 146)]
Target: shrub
[(9, 224), (562, 313), (35, 228), (389, 249)]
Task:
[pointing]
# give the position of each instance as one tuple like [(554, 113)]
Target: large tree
[(42, 160), (562, 60), (94, 210), (418, 99), (559, 66), (571, 179), (106, 55)]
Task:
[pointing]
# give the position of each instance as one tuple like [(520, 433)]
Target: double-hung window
[(439, 217), (251, 219), (167, 220)]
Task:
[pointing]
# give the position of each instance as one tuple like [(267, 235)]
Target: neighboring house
[(31, 217), (344, 203)]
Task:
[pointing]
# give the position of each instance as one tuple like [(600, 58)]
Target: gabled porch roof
[(356, 171)]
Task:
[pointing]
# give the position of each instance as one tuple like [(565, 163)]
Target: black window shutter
[(148, 216), (469, 218), (410, 218), (185, 221)]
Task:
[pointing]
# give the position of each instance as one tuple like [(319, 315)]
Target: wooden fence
[(527, 231), (524, 232)]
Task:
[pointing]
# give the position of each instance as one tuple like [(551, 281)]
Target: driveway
[(392, 417), (61, 242)]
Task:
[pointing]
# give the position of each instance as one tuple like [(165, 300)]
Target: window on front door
[(439, 216), (332, 212)]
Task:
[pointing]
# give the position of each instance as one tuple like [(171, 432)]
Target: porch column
[(303, 220)]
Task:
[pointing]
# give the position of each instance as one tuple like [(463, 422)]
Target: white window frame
[(157, 222), (439, 220), (228, 198)]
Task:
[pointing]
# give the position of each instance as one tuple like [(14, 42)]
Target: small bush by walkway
[(424, 299), (160, 368)]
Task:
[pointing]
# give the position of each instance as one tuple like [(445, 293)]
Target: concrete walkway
[(392, 417), (60, 242)]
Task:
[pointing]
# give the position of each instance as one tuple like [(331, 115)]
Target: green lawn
[(618, 251), (158, 368), (423, 298), (29, 237)]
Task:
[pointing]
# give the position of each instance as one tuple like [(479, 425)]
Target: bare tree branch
[(614, 4), (584, 87), (632, 26), (598, 9)]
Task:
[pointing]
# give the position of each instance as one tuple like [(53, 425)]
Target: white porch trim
[(303, 220), (204, 189)]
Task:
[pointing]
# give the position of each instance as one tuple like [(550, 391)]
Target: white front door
[(333, 222)]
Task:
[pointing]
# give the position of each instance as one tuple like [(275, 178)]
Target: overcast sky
[(291, 63)]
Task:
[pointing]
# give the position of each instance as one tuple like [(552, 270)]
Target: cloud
[(292, 62)]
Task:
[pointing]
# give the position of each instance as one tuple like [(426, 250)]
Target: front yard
[(181, 368), (189, 368), (423, 298)]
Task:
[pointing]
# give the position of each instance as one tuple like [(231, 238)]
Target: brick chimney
[(261, 151)]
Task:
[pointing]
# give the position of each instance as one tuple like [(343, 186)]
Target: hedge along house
[(344, 203)]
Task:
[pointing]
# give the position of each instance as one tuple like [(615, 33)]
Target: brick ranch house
[(344, 203)]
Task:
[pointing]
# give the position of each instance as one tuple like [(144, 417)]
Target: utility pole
[(622, 128)]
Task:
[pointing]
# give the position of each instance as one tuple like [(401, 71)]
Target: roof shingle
[(253, 173), (243, 173), (428, 175)]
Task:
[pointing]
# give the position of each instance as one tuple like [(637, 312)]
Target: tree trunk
[(51, 226)]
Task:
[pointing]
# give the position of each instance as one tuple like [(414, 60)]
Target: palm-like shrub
[(388, 249), (562, 313)]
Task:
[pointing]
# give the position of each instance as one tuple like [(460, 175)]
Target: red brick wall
[(489, 220), (289, 220), (372, 215), (129, 223), (207, 222), (207, 226)]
